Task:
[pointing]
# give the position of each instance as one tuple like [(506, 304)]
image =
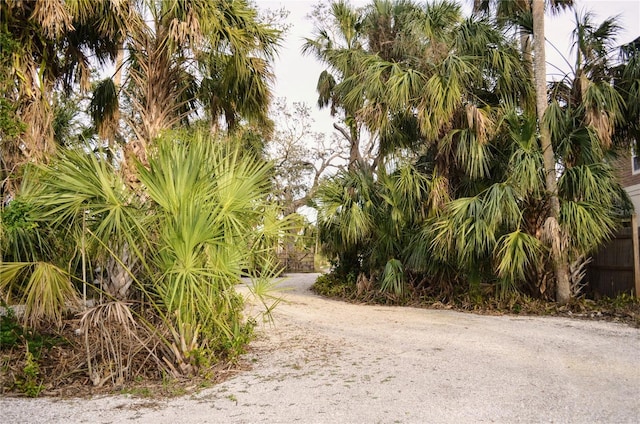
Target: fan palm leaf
[(45, 290)]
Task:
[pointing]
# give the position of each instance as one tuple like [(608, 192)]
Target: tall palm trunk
[(156, 96), (117, 78), (560, 263)]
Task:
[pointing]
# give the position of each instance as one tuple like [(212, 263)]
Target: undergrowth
[(21, 351), (623, 308), (33, 364), (330, 285)]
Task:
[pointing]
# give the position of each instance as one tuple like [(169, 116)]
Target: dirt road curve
[(332, 362)]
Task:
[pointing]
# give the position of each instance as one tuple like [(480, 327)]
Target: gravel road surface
[(326, 361)]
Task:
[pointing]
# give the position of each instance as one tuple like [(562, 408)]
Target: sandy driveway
[(333, 362)]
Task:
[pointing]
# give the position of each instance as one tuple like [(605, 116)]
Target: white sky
[(296, 75)]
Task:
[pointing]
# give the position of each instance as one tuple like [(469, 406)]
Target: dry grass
[(63, 365)]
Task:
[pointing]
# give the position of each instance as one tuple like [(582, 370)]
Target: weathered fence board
[(612, 270)]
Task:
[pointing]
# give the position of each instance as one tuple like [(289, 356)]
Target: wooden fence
[(297, 261), (615, 268)]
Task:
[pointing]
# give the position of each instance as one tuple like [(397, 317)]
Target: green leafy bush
[(29, 381), (10, 331), (332, 285)]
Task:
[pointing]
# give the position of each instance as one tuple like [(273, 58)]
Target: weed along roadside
[(329, 361)]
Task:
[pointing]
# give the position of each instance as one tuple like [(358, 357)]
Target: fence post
[(636, 253)]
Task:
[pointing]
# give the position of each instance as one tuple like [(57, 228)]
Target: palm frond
[(45, 290), (587, 222), (392, 280), (515, 253)]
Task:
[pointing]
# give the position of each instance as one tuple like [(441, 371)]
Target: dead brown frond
[(376, 116), (363, 284), (187, 30), (553, 236), (112, 324), (53, 16), (37, 142), (479, 120), (602, 123), (439, 195), (114, 312), (577, 272)]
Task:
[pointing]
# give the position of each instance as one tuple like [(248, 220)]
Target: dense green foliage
[(142, 230), (456, 195)]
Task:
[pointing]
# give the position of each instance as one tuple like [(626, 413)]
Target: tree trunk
[(560, 264), (525, 47), (117, 78), (118, 278), (353, 136)]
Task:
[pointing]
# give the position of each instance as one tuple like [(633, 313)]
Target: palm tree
[(588, 100), (466, 118), (52, 43), (626, 80), (567, 128), (435, 98), (443, 98), (236, 66), (192, 54), (224, 42), (520, 10), (517, 14)]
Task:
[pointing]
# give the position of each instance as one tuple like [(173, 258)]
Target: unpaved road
[(333, 362)]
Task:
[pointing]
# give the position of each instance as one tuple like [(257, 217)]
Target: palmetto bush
[(168, 254)]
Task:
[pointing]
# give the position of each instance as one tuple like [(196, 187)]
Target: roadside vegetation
[(126, 230), (124, 234), (624, 308), (450, 199)]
